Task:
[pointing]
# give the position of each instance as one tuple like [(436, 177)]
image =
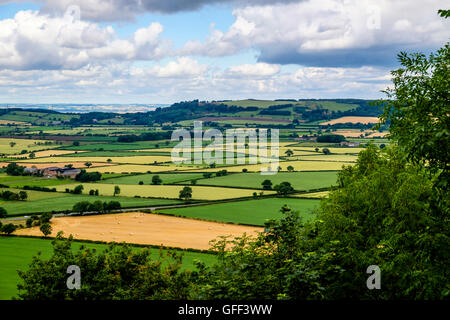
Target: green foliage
[(418, 109), (3, 212), (186, 193), (267, 184), (84, 176), (45, 217), (283, 188), (156, 180), (13, 169), (8, 228), (46, 229), (78, 189), (118, 272)]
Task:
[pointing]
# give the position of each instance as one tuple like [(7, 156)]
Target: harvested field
[(137, 168), (357, 133), (58, 164), (364, 120), (245, 119), (47, 153), (142, 228), (167, 191), (122, 160)]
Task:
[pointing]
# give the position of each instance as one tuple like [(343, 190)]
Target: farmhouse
[(64, 172), (350, 144)]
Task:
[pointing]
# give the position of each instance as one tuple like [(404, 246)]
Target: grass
[(16, 254), (299, 180), (164, 191), (137, 168), (23, 144), (297, 165), (20, 181), (116, 146), (54, 201), (253, 212), (138, 159), (167, 178)]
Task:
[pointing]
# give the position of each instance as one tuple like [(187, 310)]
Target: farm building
[(64, 172), (350, 144)]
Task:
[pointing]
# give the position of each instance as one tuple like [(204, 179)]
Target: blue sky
[(161, 52)]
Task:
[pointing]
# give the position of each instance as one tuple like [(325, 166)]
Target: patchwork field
[(253, 212), (122, 160), (43, 165), (297, 165), (357, 133), (299, 180), (143, 228), (16, 253), (312, 195), (55, 201), (49, 153), (164, 191), (15, 146), (363, 120), (166, 178), (136, 168)]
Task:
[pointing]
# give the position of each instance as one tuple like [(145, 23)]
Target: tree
[(12, 144), (23, 195), (13, 169), (98, 206), (45, 217), (3, 212), (267, 184), (156, 180), (81, 207), (76, 143), (46, 229), (78, 189), (326, 151), (88, 164), (32, 155), (418, 109), (116, 190), (317, 149), (283, 188), (289, 152), (290, 168), (109, 160), (112, 205), (70, 166), (8, 228), (118, 272), (186, 193)]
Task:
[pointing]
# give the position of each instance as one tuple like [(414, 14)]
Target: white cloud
[(34, 41), (254, 70), (329, 32)]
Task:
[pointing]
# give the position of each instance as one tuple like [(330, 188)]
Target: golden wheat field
[(142, 228)]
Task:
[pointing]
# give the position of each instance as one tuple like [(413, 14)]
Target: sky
[(152, 51)]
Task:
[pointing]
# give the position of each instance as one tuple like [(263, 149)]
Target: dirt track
[(143, 228)]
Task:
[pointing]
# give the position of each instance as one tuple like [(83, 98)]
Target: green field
[(253, 212), (167, 178), (54, 201), (20, 181), (16, 254), (299, 180)]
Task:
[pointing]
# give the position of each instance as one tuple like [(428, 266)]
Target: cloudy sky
[(152, 51)]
